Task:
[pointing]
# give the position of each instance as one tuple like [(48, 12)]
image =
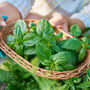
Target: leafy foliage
[(72, 44), (42, 51), (41, 42), (17, 78), (43, 27), (75, 30), (81, 55), (20, 25), (42, 48)]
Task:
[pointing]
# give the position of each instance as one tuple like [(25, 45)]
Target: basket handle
[(0, 34)]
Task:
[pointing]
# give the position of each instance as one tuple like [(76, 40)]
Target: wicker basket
[(80, 70)]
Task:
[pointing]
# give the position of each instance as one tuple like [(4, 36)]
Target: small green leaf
[(56, 48), (84, 85), (46, 36), (59, 68), (68, 66), (58, 35), (81, 55), (29, 36), (61, 58), (30, 51), (11, 41), (60, 43), (46, 63), (20, 25), (19, 49), (43, 27), (17, 33), (73, 59), (72, 44), (42, 51), (31, 41), (75, 30), (51, 32)]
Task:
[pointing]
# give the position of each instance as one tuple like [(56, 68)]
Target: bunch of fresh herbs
[(39, 45)]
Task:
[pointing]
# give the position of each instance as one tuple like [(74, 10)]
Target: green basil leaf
[(87, 76), (81, 55), (18, 33), (46, 63), (46, 36), (56, 48), (19, 49), (42, 51), (31, 41), (43, 27), (11, 41), (51, 33), (73, 60), (58, 35), (29, 36), (58, 68), (75, 30), (30, 50), (84, 85), (72, 44), (60, 43), (20, 25), (61, 57), (68, 66)]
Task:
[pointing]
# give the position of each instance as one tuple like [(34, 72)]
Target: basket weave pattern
[(80, 70)]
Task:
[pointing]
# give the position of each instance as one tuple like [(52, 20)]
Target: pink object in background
[(2, 22)]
